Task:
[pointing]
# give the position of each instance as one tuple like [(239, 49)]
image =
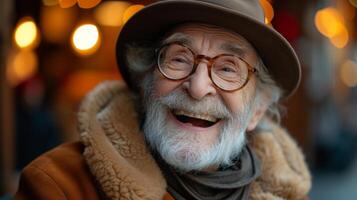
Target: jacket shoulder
[(61, 173)]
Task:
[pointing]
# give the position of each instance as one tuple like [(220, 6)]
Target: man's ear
[(258, 112)]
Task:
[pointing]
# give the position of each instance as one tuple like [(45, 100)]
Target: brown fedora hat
[(245, 17)]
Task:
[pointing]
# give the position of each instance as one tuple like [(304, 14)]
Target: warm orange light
[(86, 39), (88, 3), (110, 13), (129, 12), (50, 2), (348, 73), (22, 66), (26, 33), (347, 9), (67, 3), (268, 11), (340, 40), (81, 82), (329, 22), (57, 23)]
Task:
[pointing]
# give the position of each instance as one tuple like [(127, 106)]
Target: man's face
[(192, 123)]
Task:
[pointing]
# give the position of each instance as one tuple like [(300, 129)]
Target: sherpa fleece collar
[(119, 159)]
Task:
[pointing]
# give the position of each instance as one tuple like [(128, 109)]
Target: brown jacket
[(60, 174), (112, 161)]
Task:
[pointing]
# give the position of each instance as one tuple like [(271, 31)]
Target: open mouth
[(199, 120)]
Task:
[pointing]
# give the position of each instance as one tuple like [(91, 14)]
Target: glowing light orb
[(67, 3), (26, 34), (85, 39), (129, 12), (329, 22), (340, 40), (348, 73), (110, 13), (88, 3), (268, 11), (22, 66)]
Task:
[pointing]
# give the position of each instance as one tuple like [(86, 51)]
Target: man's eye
[(180, 59), (228, 69)]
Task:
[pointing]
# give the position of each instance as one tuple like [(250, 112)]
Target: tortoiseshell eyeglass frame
[(199, 58)]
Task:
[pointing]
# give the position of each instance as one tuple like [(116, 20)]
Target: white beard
[(184, 150)]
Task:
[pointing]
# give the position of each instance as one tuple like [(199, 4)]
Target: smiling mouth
[(199, 120)]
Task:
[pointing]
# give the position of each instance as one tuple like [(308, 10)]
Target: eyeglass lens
[(176, 62)]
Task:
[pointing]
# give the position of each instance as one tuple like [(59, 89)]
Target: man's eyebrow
[(236, 49), (178, 37)]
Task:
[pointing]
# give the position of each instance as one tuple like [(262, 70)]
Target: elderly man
[(197, 120)]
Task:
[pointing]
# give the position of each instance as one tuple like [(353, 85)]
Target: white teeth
[(196, 115)]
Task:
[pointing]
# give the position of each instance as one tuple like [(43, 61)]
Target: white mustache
[(180, 100)]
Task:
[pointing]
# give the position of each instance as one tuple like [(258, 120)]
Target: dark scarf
[(228, 183)]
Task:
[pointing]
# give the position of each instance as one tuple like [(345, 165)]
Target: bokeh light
[(340, 40), (26, 33), (129, 12), (268, 10), (110, 13), (67, 3), (75, 88), (56, 23), (330, 22), (86, 39), (348, 73), (21, 66), (88, 3)]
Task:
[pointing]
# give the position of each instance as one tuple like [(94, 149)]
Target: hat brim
[(154, 20)]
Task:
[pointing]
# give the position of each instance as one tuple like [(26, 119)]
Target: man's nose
[(199, 84)]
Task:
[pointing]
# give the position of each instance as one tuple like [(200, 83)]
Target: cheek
[(164, 86), (234, 102), (237, 100)]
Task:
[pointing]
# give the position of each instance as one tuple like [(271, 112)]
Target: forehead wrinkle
[(237, 49), (179, 37)]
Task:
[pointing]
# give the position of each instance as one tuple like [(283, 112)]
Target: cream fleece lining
[(118, 157)]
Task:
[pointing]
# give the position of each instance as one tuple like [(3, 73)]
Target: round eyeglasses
[(228, 72)]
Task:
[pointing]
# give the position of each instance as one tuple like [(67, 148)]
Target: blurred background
[(52, 52)]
